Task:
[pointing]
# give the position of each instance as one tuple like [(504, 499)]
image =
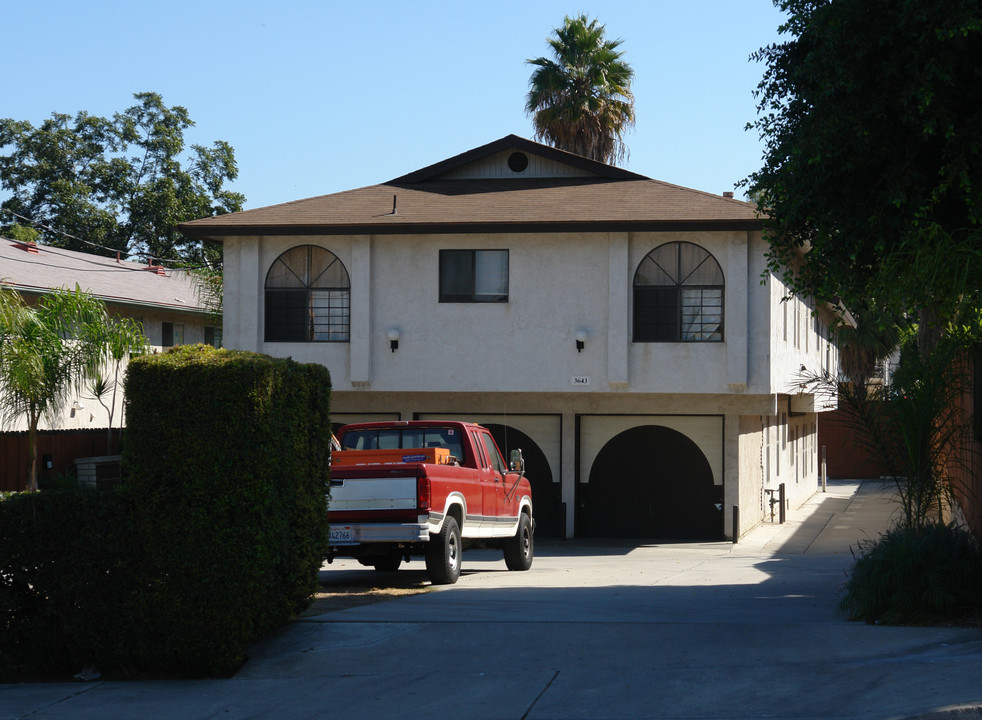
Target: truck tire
[(389, 563), (520, 549), (443, 554)]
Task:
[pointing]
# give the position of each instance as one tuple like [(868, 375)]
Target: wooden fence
[(845, 458), (965, 468), (57, 450), (848, 459)]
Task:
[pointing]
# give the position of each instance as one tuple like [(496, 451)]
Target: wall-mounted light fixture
[(581, 336), (393, 336)]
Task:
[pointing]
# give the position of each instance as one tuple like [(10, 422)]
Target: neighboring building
[(166, 302), (624, 332)]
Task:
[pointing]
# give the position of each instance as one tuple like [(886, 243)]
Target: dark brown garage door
[(650, 482)]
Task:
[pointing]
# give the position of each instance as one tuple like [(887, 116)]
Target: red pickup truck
[(427, 488)]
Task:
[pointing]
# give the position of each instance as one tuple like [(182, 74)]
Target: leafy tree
[(581, 101), (46, 351), (872, 120), (22, 234), (123, 182), (873, 336), (872, 190)]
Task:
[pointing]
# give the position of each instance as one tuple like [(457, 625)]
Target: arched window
[(678, 295), (308, 297)]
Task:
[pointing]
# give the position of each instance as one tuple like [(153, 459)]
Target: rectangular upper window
[(473, 276)]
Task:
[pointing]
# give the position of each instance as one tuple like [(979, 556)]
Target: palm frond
[(581, 101)]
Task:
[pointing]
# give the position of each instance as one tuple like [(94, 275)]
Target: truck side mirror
[(517, 462)]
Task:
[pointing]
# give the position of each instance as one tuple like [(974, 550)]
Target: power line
[(150, 258)]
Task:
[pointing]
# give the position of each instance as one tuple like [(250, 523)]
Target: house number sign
[(580, 380)]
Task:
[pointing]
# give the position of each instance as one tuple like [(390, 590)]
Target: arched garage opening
[(546, 494), (650, 482)]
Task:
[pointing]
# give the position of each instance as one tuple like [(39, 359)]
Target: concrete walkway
[(601, 630)]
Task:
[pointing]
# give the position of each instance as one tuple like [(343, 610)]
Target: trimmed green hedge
[(214, 538), (67, 564), (228, 453)]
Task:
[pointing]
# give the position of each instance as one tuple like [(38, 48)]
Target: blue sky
[(320, 97)]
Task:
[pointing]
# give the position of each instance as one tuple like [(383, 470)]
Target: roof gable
[(479, 192), (544, 161)]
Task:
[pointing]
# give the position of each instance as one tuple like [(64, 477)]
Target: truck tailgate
[(373, 492)]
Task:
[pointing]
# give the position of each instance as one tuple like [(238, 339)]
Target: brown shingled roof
[(423, 202)]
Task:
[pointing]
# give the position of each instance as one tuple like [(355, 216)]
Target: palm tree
[(46, 351), (875, 335), (119, 338), (581, 102)]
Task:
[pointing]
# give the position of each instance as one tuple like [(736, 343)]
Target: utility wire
[(150, 258)]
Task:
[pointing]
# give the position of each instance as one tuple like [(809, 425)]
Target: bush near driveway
[(214, 538), (67, 582), (915, 576), (229, 455)]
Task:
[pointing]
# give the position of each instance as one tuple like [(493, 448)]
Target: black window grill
[(678, 295), (308, 297)]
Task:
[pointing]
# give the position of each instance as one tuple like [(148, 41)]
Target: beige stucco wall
[(750, 497), (559, 284), (515, 362)]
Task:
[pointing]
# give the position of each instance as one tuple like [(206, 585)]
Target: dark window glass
[(656, 314), (213, 336), (405, 438), (473, 276), (171, 334), (308, 297), (678, 296), (492, 450)]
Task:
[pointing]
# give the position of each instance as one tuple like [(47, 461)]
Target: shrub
[(214, 537), (911, 576), (227, 456), (66, 582)]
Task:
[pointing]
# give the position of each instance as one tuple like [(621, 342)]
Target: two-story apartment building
[(622, 331)]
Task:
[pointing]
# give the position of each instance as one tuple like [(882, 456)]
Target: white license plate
[(342, 536)]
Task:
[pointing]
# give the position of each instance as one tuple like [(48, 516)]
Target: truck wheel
[(443, 554), (389, 563), (520, 549)]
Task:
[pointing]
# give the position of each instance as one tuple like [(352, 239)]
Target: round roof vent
[(518, 161)]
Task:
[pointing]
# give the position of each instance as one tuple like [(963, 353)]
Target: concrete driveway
[(695, 630)]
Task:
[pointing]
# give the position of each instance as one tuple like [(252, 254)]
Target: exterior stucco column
[(618, 309), (737, 309), (360, 343), (231, 251), (242, 298), (731, 471), (568, 471)]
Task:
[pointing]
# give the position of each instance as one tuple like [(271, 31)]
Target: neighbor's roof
[(122, 282), (441, 198)]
